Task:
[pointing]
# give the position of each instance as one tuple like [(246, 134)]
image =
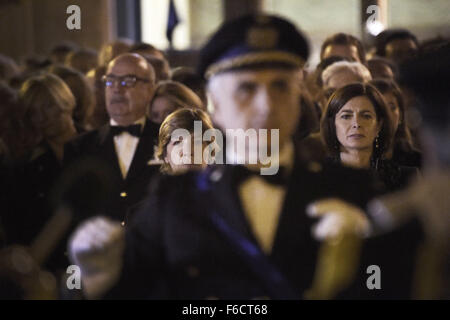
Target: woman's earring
[(377, 145)]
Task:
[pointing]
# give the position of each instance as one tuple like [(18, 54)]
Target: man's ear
[(212, 99), (212, 102)]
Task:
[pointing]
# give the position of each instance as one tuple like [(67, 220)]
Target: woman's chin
[(358, 146)]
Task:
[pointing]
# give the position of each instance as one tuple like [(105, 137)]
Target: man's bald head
[(130, 85), (134, 62)]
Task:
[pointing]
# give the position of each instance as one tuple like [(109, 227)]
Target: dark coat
[(387, 174), (28, 192), (29, 203), (408, 159), (98, 146), (174, 250)]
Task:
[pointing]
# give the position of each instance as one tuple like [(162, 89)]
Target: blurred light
[(374, 28)]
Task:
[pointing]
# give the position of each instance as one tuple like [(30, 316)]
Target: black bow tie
[(134, 130), (242, 173)]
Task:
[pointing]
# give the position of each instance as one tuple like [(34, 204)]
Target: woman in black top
[(357, 130)]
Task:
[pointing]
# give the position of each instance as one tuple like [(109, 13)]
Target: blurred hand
[(427, 197), (22, 278), (342, 226), (431, 195), (337, 218), (97, 247)]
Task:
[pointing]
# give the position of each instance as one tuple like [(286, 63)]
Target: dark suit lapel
[(144, 150)]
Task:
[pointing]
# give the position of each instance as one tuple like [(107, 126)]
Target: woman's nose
[(355, 123)]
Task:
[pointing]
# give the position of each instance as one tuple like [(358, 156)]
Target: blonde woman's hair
[(180, 119), (44, 98), (83, 94)]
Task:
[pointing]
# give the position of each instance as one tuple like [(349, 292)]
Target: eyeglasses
[(128, 81)]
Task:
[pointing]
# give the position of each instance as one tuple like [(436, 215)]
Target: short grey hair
[(357, 68)]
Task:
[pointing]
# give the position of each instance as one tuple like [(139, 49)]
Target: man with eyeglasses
[(126, 144)]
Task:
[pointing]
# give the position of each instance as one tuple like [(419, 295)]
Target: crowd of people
[(91, 134)]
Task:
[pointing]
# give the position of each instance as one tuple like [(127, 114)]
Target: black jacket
[(98, 148)]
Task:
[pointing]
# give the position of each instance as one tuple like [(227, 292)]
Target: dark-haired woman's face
[(356, 124), (393, 107)]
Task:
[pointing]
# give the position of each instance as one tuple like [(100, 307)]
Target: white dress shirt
[(125, 145), (262, 202)]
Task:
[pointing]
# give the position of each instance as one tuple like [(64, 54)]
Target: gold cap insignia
[(261, 37)]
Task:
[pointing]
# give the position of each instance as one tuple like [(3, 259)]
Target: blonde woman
[(46, 106), (181, 119), (170, 96)]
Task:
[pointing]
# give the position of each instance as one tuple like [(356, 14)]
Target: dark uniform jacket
[(176, 249), (98, 146)]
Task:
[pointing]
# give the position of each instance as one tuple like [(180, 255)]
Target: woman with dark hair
[(357, 130), (402, 150)]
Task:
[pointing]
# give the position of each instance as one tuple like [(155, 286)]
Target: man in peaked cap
[(227, 232), (255, 41)]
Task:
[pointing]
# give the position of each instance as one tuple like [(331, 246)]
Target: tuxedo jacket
[(173, 250), (97, 149)]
